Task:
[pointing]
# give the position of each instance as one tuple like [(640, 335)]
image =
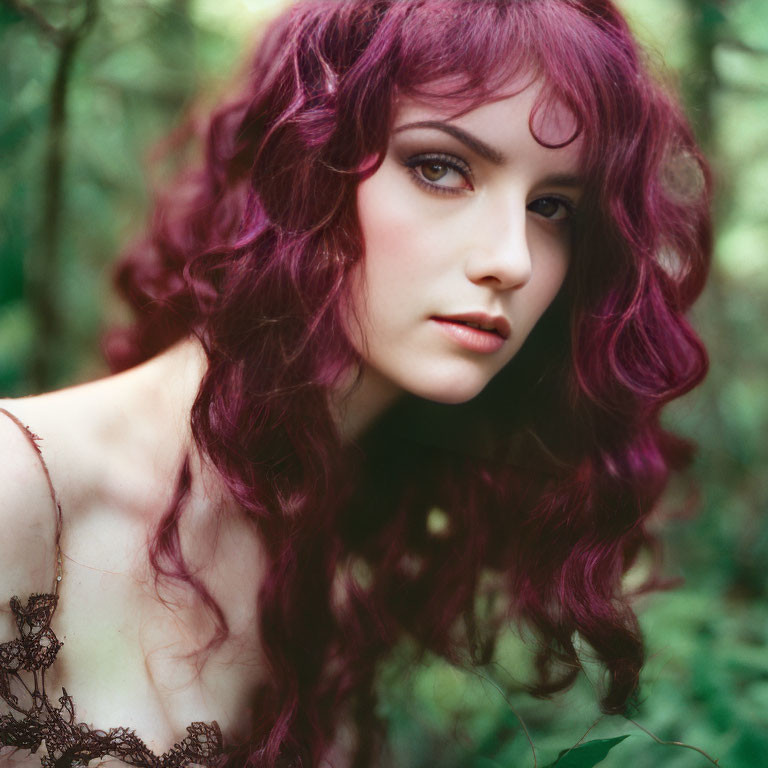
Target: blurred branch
[(734, 44), (36, 17), (708, 29), (59, 35), (754, 91), (712, 760), (42, 265)]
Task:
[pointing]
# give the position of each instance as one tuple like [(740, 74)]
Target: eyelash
[(462, 168), (438, 158), (568, 205)]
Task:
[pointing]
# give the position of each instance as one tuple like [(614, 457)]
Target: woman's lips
[(473, 339)]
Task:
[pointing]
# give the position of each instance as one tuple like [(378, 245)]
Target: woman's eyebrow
[(571, 180), (475, 144), (486, 151)]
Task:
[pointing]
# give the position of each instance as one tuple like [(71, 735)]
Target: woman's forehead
[(549, 120)]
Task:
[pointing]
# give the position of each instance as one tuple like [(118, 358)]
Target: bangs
[(466, 53)]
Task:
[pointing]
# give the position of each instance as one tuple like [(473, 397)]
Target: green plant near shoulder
[(586, 755)]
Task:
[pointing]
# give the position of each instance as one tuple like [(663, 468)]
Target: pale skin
[(496, 242)]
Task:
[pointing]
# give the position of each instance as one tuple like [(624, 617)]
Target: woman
[(327, 430)]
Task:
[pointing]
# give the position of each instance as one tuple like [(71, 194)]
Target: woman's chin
[(449, 392)]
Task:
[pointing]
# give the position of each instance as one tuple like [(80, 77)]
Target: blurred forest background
[(88, 89)]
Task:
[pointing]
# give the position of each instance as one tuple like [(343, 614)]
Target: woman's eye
[(434, 171), (440, 173), (552, 208)]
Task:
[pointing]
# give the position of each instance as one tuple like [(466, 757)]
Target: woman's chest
[(128, 664), (154, 657), (67, 697), (149, 663)]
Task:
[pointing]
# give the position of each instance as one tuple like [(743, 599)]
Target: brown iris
[(434, 171)]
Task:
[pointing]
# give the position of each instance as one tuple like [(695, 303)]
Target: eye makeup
[(438, 161), (440, 170), (567, 208)]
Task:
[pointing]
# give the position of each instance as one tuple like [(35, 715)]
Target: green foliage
[(141, 68), (135, 75), (586, 755)]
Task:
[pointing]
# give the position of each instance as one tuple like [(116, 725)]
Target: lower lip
[(472, 339)]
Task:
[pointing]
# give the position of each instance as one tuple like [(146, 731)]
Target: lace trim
[(34, 719), (70, 744)]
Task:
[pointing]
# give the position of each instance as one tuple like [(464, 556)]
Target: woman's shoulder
[(105, 441), (57, 467), (29, 516), (23, 475), (43, 437)]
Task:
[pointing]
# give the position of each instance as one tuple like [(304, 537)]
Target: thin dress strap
[(34, 439)]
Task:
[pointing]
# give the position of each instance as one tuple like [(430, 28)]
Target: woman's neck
[(118, 442), (177, 372), (142, 415), (359, 401)]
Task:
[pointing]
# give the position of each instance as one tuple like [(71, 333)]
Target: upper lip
[(498, 323)]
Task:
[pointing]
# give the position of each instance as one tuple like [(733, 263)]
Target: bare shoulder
[(28, 514)]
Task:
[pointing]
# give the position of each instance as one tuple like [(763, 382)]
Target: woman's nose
[(500, 256)]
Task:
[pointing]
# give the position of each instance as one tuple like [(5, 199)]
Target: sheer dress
[(41, 722)]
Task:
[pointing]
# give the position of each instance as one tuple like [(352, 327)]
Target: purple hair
[(547, 478)]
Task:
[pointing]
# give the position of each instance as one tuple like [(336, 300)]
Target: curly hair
[(547, 478)]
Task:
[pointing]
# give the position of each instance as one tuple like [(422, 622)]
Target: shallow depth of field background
[(89, 87)]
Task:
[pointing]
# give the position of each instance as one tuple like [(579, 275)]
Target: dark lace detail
[(69, 744)]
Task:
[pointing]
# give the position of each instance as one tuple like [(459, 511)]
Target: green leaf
[(586, 755)]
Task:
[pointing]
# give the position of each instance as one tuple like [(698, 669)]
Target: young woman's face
[(466, 222)]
